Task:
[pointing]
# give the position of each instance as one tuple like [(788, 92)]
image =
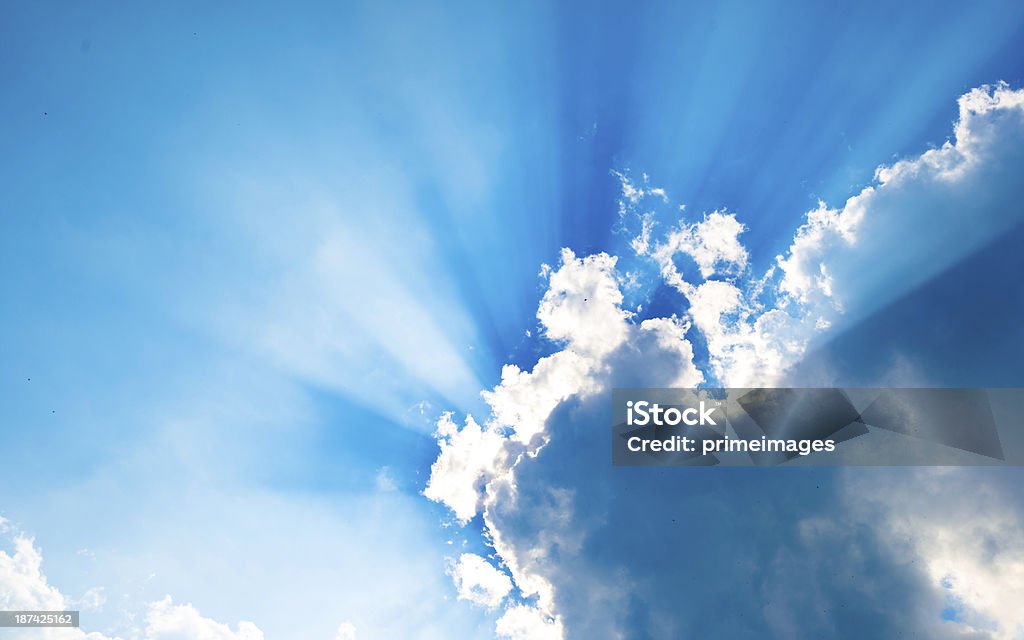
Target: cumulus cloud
[(168, 621), (535, 467), (916, 219), (582, 305), (523, 622), (965, 526), (24, 587), (713, 243), (582, 311), (750, 342), (468, 457), (921, 215), (478, 581)]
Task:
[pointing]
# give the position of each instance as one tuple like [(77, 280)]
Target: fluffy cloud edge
[(25, 587), (752, 338), (478, 581)]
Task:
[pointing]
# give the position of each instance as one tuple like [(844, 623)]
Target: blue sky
[(250, 256)]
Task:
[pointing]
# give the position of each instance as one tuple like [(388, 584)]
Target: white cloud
[(346, 631), (642, 243), (479, 582), (666, 337), (965, 530), (914, 221), (524, 399), (24, 587), (523, 622), (630, 191), (468, 457), (527, 564), (583, 305), (582, 310), (844, 263), (918, 218), (713, 243), (168, 621), (749, 346)]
